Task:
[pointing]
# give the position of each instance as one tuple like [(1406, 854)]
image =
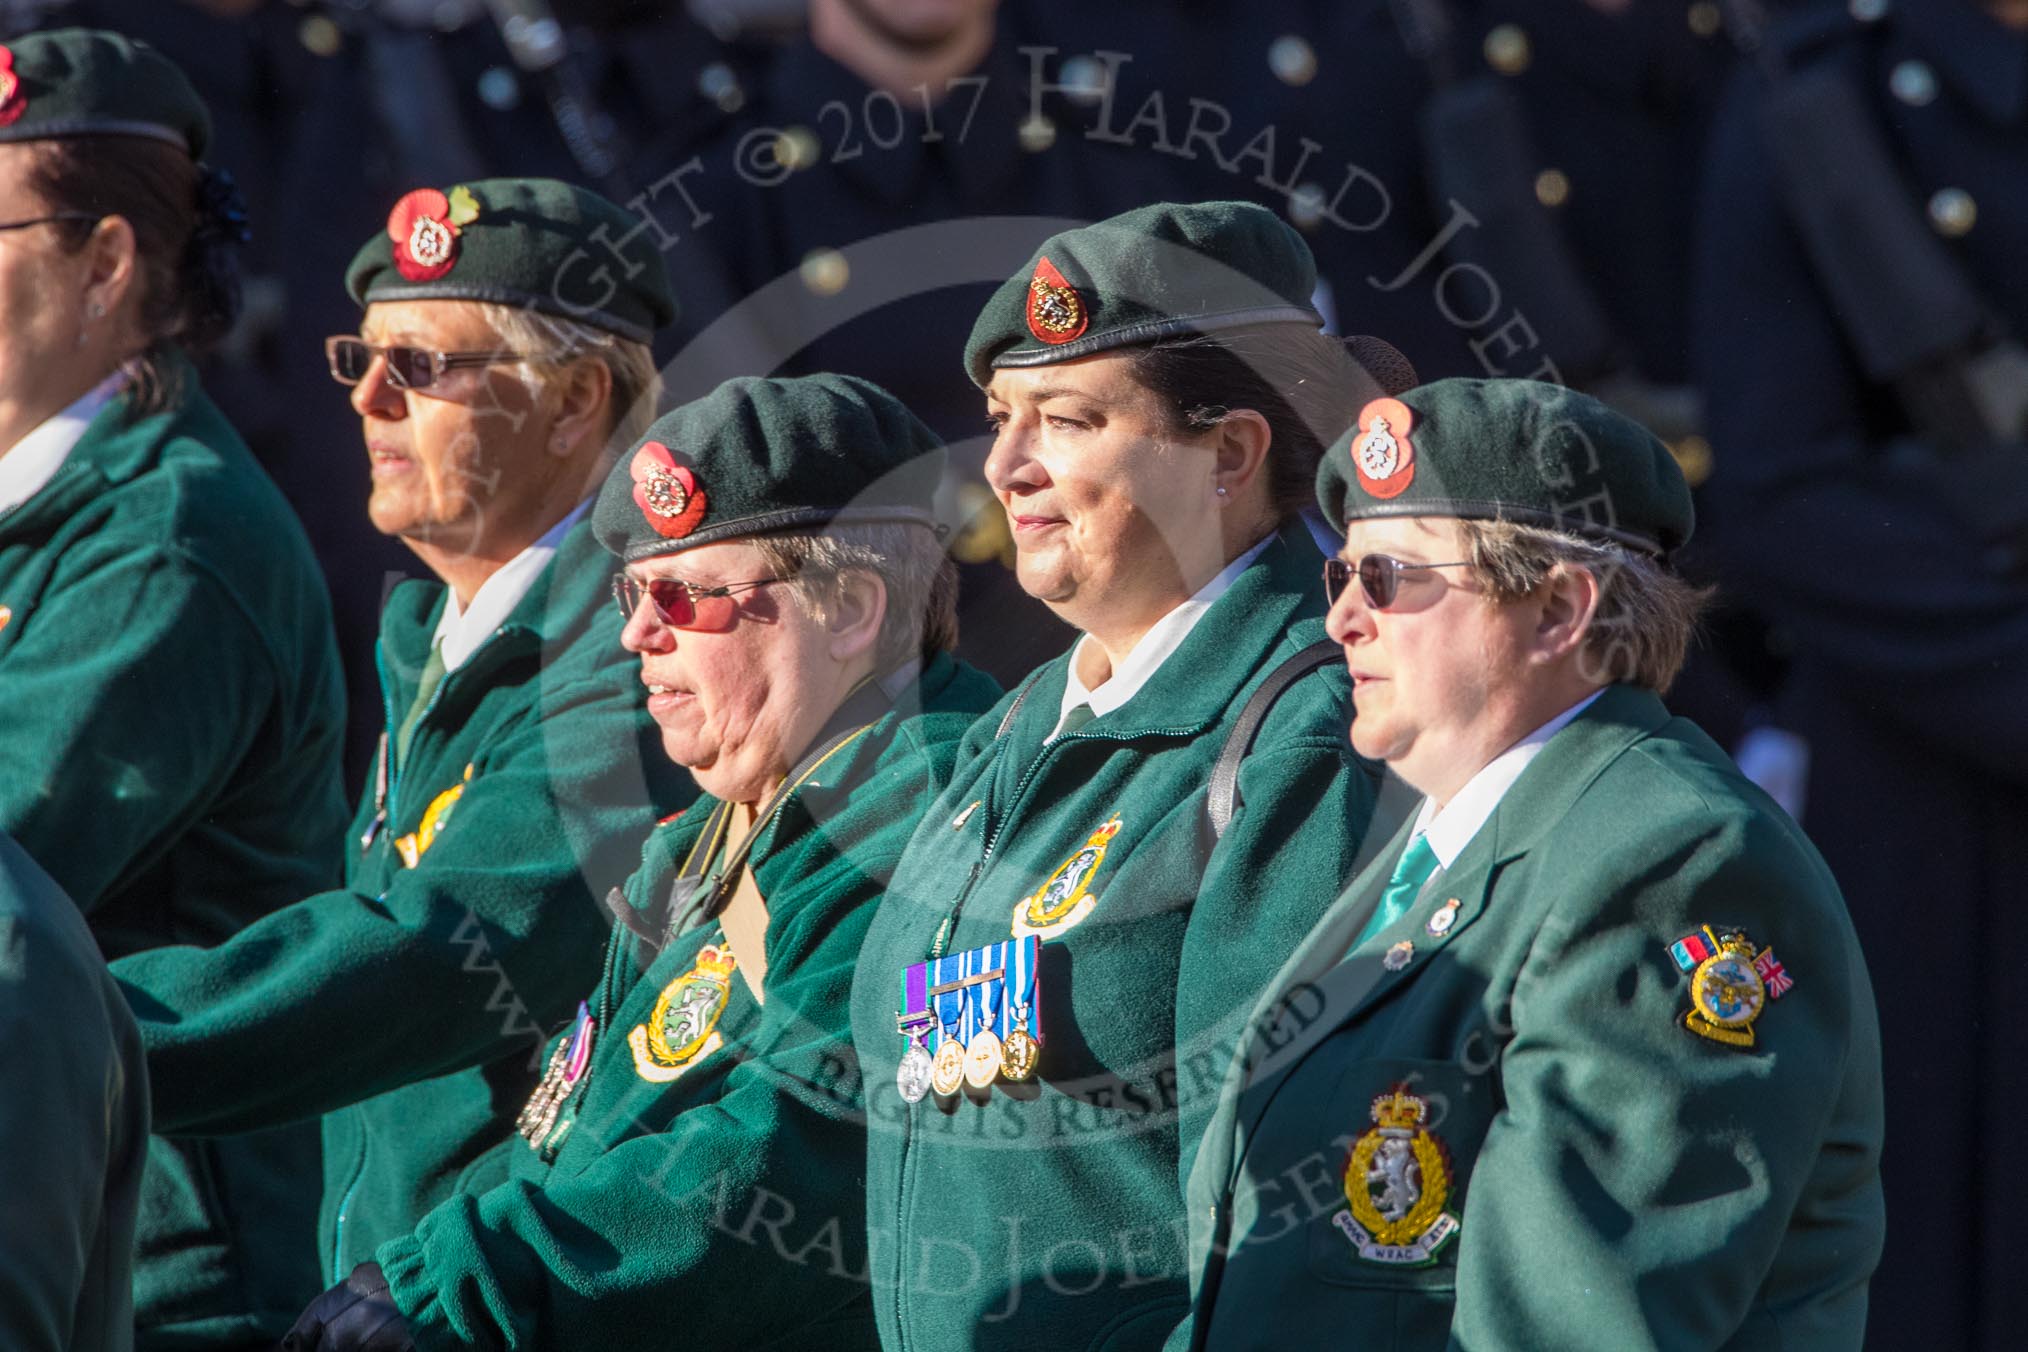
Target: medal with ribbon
[(566, 1067), (914, 1022), (1022, 1043), (948, 994), (982, 1049)]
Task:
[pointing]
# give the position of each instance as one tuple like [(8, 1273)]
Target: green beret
[(770, 456), (1509, 450), (84, 82), (529, 242), (1146, 274)]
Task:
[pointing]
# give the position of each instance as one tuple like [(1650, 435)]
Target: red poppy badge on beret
[(1056, 313), (12, 102), (1381, 451), (667, 493), (425, 226)]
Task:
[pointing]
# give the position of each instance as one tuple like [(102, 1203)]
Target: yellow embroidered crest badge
[(1397, 1184), (1063, 902), (413, 846), (683, 1027)]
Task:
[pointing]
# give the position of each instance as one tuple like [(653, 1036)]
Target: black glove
[(357, 1315)]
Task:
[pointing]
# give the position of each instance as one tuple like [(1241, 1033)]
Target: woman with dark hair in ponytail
[(169, 686)]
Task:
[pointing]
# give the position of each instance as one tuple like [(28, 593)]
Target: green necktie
[(1076, 719), (432, 677), (1418, 861)]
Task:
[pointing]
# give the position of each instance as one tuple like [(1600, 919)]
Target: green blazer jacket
[(170, 687), (704, 1171), (1049, 1212), (1494, 1124), (73, 1126), (409, 1005)]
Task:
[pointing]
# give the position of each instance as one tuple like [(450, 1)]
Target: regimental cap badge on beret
[(1382, 453), (667, 493), (425, 226), (13, 103), (1056, 313)]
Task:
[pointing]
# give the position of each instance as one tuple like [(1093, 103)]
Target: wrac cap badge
[(425, 226), (1056, 313), (667, 493), (12, 102), (1383, 454)]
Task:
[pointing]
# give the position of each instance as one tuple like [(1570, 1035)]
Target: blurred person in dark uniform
[(1860, 304)]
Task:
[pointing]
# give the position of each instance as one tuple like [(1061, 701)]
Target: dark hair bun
[(1384, 362), (210, 270)]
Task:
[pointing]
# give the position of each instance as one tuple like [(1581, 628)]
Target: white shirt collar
[(1156, 646), (33, 461), (463, 630), (1450, 830)]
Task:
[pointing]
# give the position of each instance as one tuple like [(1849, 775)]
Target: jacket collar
[(558, 607), (1350, 983), (1197, 687), (113, 451)]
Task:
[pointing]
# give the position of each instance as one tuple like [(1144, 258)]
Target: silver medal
[(913, 1077)]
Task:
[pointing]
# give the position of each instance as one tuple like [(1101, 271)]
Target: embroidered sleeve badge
[(1056, 312), (683, 1027), (1398, 1186), (1066, 899), (1382, 453), (425, 226), (667, 493), (1731, 983), (12, 102)]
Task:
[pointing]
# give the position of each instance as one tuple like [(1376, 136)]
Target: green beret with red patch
[(533, 243), (1150, 273), (68, 82), (771, 456), (1509, 450)]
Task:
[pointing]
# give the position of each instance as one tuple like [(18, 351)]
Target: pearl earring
[(1221, 490)]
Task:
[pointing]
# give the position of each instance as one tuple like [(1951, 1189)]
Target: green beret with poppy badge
[(771, 456), (1150, 273), (68, 82), (1509, 450), (534, 243)]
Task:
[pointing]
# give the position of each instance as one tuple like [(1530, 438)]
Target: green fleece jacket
[(703, 1172), (408, 1006), (1574, 1161), (170, 687), (73, 1126), (1049, 1213)]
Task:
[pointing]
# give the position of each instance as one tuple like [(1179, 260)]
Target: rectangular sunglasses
[(408, 368), (1379, 577), (684, 605)]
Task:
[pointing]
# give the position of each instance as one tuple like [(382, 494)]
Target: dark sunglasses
[(682, 605), (408, 368), (1379, 577)]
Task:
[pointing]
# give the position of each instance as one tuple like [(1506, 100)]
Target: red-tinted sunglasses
[(683, 605), (1379, 577)]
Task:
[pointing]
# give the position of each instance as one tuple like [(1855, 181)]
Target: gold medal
[(982, 1059), (948, 1071), (1017, 1055)]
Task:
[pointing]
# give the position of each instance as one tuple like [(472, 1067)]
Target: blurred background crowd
[(1786, 236)]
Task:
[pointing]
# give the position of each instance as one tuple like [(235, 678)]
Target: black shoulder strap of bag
[(1223, 799)]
